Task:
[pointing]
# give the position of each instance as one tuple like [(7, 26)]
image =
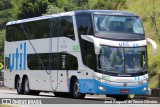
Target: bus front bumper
[(93, 86)]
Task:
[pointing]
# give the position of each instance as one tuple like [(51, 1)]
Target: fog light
[(102, 88), (145, 88)]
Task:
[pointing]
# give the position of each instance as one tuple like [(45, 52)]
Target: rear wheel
[(76, 90), (27, 90), (33, 92), (19, 86)]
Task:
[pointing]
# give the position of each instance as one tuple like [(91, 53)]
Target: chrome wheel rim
[(76, 88), (19, 85)]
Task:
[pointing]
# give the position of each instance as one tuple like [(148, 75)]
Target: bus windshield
[(119, 24), (122, 60)]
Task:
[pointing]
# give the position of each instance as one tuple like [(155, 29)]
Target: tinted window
[(61, 61), (41, 29), (84, 25), (55, 27), (35, 30), (41, 61), (66, 27), (67, 61), (15, 33)]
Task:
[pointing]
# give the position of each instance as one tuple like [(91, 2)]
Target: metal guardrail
[(159, 81), (1, 79), (1, 76), (155, 92)]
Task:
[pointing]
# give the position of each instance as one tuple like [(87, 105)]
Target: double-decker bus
[(77, 53)]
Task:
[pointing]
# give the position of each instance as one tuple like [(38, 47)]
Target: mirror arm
[(92, 39), (154, 46)]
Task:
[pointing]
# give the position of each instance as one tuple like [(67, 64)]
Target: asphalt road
[(49, 98)]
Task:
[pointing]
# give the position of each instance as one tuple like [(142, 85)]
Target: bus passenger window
[(66, 27), (55, 26)]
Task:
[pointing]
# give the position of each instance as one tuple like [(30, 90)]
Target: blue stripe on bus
[(92, 86)]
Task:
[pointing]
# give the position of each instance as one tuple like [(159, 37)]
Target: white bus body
[(30, 60)]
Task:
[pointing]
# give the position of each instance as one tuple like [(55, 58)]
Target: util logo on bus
[(121, 44), (18, 59)]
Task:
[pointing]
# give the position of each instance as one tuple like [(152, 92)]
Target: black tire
[(62, 94), (33, 92), (76, 91), (119, 97), (27, 90), (57, 94), (19, 86)]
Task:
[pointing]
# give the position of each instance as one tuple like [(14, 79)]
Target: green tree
[(5, 4), (60, 3), (52, 9), (76, 5), (33, 8), (69, 7), (110, 4), (5, 13), (5, 16)]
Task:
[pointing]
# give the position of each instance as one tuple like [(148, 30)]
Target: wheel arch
[(23, 78)]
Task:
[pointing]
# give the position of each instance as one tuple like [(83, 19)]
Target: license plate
[(124, 91)]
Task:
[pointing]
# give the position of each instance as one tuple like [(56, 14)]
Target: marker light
[(143, 81), (100, 80)]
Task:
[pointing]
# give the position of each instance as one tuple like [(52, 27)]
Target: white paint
[(154, 46)]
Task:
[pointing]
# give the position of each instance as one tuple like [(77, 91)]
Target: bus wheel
[(33, 92), (62, 94), (19, 86), (121, 97), (27, 91), (57, 94), (76, 90)]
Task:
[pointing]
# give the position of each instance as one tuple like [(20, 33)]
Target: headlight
[(100, 79), (143, 81)]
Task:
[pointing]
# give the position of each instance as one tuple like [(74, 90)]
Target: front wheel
[(62, 94), (119, 97), (76, 90)]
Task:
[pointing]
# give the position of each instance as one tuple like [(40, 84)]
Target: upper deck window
[(119, 24)]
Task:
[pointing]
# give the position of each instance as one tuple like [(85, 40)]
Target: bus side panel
[(9, 79)]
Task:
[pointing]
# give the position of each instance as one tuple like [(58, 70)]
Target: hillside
[(145, 9)]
